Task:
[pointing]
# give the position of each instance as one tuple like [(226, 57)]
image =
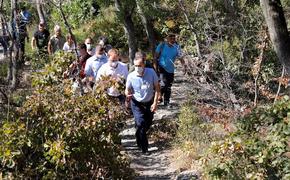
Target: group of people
[(46, 44), (145, 87)]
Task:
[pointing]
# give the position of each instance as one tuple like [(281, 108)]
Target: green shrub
[(59, 135), (194, 136), (258, 150)]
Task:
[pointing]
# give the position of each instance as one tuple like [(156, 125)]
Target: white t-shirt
[(119, 73), (68, 48)]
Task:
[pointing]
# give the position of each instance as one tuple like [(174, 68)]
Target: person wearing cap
[(116, 70), (142, 91), (165, 55), (40, 39), (56, 41)]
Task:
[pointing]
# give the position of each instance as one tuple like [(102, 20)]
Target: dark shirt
[(83, 60), (42, 39)]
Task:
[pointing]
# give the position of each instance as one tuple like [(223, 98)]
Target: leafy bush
[(258, 150), (194, 135), (58, 135)]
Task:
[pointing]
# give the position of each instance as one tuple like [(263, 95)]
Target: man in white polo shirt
[(117, 70)]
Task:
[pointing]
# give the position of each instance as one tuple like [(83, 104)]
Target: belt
[(142, 103)]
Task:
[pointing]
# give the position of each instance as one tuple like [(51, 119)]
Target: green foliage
[(258, 150), (3, 70), (77, 12), (107, 24), (53, 71), (194, 136), (59, 135)]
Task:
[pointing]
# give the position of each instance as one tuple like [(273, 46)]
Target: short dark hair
[(83, 46), (41, 23), (171, 35)]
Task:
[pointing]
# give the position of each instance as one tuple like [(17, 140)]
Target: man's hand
[(128, 99), (153, 107)]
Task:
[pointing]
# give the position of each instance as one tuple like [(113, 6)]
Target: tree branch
[(185, 13), (280, 83)]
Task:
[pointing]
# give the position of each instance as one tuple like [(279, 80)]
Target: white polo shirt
[(119, 73)]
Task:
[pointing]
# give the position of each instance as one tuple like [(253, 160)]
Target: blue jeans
[(143, 120)]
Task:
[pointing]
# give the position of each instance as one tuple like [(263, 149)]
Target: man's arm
[(128, 94), (156, 97), (49, 47), (33, 43)]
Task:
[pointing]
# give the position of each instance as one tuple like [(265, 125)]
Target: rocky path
[(159, 164)]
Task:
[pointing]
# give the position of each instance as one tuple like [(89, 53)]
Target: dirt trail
[(157, 165)]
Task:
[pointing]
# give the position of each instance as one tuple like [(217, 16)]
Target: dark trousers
[(143, 120), (167, 79), (22, 47)]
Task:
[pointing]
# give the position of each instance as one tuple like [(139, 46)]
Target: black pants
[(143, 120), (166, 79)]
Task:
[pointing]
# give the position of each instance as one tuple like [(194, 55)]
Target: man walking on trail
[(164, 58), (56, 41), (40, 39), (142, 90), (94, 63), (117, 71), (24, 19)]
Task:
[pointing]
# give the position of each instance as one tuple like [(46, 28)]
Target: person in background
[(56, 42), (94, 63), (103, 41), (89, 43), (40, 39), (164, 58), (24, 19), (142, 91), (141, 55), (84, 56), (117, 71), (69, 45)]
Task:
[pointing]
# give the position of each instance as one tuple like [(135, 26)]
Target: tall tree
[(39, 7), (275, 19), (14, 48), (147, 23), (125, 10)]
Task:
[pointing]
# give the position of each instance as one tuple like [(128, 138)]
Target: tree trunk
[(147, 23), (3, 27), (40, 11), (126, 16), (14, 48), (277, 27)]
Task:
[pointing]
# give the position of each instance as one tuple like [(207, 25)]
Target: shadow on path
[(156, 165)]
